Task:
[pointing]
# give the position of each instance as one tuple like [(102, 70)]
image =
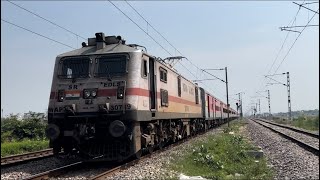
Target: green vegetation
[(223, 156), (25, 135), (306, 122), (19, 147)]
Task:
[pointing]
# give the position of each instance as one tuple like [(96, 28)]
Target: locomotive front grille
[(111, 150)]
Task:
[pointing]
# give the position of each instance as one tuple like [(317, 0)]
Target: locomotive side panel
[(171, 104)]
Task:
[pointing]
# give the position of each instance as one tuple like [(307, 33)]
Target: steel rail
[(314, 150), (291, 128), (55, 172), (19, 158)]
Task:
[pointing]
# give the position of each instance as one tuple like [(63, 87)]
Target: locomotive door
[(152, 83)]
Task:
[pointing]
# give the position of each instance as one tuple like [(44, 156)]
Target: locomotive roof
[(90, 50)]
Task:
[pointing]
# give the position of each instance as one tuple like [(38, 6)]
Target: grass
[(222, 157), (308, 123), (18, 147)]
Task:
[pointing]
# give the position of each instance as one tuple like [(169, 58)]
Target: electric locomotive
[(113, 100)]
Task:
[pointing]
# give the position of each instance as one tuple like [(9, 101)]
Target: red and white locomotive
[(113, 100)]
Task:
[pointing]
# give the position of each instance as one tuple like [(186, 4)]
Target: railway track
[(55, 172), (105, 173), (15, 159), (307, 140), (291, 128)]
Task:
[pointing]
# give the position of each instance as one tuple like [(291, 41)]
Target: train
[(115, 101)]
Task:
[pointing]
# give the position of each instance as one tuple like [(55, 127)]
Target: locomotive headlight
[(94, 93), (120, 92), (86, 94), (60, 95)]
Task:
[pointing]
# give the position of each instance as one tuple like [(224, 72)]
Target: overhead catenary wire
[(19, 6), (140, 28), (37, 33), (149, 24), (290, 24), (294, 42)]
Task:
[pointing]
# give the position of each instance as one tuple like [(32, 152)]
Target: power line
[(140, 28), (162, 35), (277, 56), (37, 33), (295, 42), (149, 34), (301, 5), (153, 38), (46, 19), (149, 24), (292, 21)]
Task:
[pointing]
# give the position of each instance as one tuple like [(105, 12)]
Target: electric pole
[(259, 107), (289, 98), (240, 103), (227, 94), (288, 90), (269, 104)]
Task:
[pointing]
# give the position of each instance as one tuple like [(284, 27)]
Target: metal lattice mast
[(269, 103), (259, 107), (289, 97)]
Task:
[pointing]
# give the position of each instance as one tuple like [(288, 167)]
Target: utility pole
[(227, 94), (259, 107), (240, 103), (288, 90), (289, 98), (241, 112), (269, 104), (225, 81)]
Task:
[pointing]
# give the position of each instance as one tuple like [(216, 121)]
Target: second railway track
[(15, 159), (303, 139)]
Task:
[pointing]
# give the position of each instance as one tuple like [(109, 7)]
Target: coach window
[(197, 95), (144, 68), (179, 86), (163, 75)]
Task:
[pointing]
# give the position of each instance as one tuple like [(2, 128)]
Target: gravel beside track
[(33, 167), (289, 160)]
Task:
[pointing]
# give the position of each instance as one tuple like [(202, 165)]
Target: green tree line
[(14, 129)]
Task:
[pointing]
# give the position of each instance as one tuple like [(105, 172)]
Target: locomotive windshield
[(111, 65), (75, 67)]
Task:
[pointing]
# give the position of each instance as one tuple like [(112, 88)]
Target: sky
[(243, 36)]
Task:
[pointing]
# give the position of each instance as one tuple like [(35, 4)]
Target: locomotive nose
[(117, 128)]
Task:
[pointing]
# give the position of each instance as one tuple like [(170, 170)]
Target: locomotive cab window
[(74, 67), (163, 74), (112, 65)]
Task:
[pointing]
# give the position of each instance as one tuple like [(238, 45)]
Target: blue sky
[(242, 35)]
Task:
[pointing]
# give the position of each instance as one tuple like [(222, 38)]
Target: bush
[(13, 129)]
